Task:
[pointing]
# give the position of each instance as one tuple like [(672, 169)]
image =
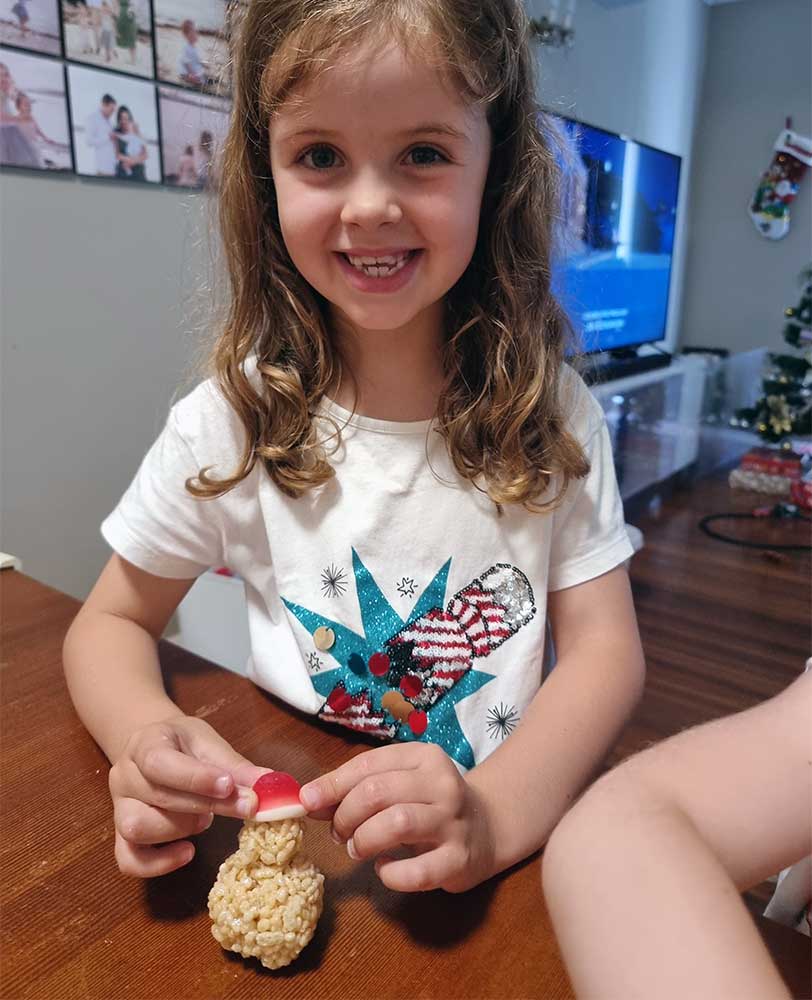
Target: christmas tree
[(785, 406), (126, 28)]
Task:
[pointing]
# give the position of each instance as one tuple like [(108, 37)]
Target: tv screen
[(612, 266)]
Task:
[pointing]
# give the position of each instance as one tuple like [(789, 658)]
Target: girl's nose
[(370, 202)]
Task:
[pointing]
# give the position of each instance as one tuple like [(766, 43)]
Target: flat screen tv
[(612, 268)]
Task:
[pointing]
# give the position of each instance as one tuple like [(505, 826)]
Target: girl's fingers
[(147, 862), (139, 823), (169, 779), (329, 790), (164, 765), (241, 804), (419, 874), (404, 823), (376, 793)]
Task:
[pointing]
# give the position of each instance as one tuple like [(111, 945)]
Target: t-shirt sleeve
[(158, 525), (589, 534)]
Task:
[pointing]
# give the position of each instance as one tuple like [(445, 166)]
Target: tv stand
[(653, 419), (622, 362)]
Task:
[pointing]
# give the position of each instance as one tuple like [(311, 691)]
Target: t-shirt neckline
[(358, 420)]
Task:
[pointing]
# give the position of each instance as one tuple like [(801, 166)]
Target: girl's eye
[(319, 154), (323, 157), (431, 151)]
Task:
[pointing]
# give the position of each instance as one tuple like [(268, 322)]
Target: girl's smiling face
[(372, 173)]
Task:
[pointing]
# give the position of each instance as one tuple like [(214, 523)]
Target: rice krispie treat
[(268, 896)]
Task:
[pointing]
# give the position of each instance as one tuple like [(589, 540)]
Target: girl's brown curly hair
[(505, 334)]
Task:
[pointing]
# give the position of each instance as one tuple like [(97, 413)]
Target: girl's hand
[(170, 780), (407, 794)]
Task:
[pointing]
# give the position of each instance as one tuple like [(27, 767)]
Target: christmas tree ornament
[(770, 207)]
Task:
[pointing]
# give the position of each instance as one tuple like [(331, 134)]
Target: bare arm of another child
[(642, 878), (171, 773)]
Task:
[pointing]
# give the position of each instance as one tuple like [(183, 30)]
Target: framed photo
[(115, 126), (32, 25), (34, 129), (192, 42), (111, 34), (193, 127)]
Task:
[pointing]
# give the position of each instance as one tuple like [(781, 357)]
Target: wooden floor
[(723, 627)]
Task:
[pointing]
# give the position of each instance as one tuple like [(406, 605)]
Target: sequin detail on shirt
[(402, 679)]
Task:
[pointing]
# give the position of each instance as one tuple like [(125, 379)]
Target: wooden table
[(722, 629), (73, 927)]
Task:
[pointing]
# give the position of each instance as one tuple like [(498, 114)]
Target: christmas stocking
[(769, 209)]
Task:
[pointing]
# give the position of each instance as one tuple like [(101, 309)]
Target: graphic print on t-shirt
[(402, 678)]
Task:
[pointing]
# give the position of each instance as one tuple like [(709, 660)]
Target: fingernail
[(206, 822), (223, 785), (309, 797), (351, 850), (335, 836), (246, 802)]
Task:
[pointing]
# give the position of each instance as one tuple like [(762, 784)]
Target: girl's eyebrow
[(429, 128)]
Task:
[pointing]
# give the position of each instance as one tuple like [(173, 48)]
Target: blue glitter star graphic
[(380, 622)]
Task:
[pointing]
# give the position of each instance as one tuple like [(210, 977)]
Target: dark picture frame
[(35, 130), (133, 153), (99, 32), (32, 26)]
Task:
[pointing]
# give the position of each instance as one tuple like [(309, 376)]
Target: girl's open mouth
[(386, 274)]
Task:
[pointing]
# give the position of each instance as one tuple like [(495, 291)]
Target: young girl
[(131, 150), (391, 453), (187, 169), (20, 11), (107, 34), (88, 43)]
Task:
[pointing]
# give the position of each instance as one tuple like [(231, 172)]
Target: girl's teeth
[(380, 267)]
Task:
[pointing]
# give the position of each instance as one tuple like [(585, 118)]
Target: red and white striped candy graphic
[(355, 712), (477, 620)]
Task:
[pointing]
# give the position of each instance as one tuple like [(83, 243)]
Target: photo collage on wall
[(127, 90)]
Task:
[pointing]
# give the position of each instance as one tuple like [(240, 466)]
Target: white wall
[(97, 289), (96, 313), (738, 283)]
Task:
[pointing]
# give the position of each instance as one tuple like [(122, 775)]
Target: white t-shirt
[(394, 599), (97, 134), (133, 143), (190, 63)]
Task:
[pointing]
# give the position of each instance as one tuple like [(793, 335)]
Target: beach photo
[(113, 34), (34, 130), (32, 25), (115, 126), (191, 42), (193, 127)]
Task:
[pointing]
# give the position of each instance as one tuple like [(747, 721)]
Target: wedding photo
[(32, 25), (191, 42), (34, 130), (193, 127), (114, 34), (115, 126)]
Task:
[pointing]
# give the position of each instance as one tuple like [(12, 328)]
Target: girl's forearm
[(530, 781), (114, 678), (642, 906)]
